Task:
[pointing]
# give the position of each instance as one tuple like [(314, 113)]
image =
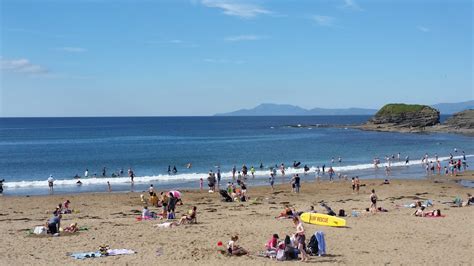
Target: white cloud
[(21, 66), (239, 38), (423, 29), (233, 8), (326, 21), (176, 41), (352, 5), (72, 49)]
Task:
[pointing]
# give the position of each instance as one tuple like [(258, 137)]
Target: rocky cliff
[(461, 120), (396, 117)]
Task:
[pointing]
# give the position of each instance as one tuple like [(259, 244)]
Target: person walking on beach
[(300, 238), (297, 183), (272, 179), (373, 202), (331, 173), (50, 183)]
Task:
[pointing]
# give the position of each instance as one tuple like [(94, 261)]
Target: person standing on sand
[(252, 171), (373, 202), (272, 179), (357, 184), (50, 183), (300, 238), (297, 183)]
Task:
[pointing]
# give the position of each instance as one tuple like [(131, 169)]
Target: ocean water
[(31, 149)]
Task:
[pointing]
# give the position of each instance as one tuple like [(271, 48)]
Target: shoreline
[(392, 237)]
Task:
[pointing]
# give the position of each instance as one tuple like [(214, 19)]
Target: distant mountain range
[(271, 109), (451, 108)]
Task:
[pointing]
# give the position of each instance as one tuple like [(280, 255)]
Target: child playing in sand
[(190, 218), (234, 249)]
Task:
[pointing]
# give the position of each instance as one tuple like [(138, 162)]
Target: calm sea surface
[(31, 149)]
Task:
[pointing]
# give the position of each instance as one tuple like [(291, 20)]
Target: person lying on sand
[(286, 213), (435, 213), (233, 249), (190, 218), (166, 225), (420, 212), (72, 228)]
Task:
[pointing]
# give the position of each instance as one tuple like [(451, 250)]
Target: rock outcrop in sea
[(403, 117)]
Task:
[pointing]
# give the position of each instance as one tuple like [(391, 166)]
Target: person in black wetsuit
[(1, 186)]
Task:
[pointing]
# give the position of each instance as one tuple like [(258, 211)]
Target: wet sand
[(394, 237)]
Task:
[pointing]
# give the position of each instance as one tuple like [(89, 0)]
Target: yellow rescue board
[(322, 219)]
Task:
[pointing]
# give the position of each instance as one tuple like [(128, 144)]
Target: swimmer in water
[(189, 165)]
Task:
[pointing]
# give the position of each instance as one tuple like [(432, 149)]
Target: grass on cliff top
[(398, 108)]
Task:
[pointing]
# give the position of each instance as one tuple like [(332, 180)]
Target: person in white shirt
[(50, 183), (86, 173)]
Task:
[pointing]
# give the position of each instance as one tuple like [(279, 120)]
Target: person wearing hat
[(51, 183)]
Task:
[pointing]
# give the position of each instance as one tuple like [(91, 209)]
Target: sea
[(32, 149)]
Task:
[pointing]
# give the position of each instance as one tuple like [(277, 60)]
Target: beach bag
[(281, 256), (342, 213), (40, 230), (313, 246)]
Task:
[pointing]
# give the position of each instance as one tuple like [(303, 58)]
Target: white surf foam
[(197, 176)]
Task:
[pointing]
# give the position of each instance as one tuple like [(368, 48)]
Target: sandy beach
[(394, 237)]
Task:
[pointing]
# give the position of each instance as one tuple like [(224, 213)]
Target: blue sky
[(200, 57)]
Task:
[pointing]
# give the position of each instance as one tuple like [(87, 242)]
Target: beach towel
[(116, 252), (321, 243), (85, 255)]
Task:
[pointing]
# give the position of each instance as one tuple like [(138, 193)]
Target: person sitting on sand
[(233, 249), (164, 204), (272, 246), (147, 214), (190, 218), (66, 209), (72, 228)]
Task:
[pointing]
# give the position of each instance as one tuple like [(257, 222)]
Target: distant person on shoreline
[(86, 173), (104, 172), (131, 174), (109, 188), (1, 186), (175, 171), (50, 183)]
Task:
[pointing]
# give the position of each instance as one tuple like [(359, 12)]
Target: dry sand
[(394, 237)]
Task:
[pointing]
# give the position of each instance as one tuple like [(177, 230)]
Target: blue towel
[(321, 243), (85, 255)]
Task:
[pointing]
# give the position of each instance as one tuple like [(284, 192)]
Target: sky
[(201, 57)]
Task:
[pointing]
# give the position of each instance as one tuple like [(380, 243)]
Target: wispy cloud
[(352, 5), (223, 61), (423, 29), (22, 65), (72, 49), (239, 38), (325, 21), (233, 8)]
